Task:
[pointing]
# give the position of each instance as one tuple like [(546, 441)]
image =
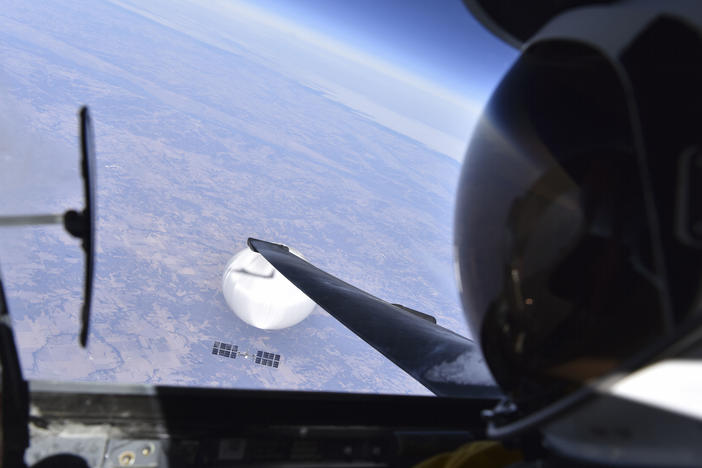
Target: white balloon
[(260, 296)]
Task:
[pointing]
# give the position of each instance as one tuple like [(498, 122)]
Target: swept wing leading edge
[(446, 363)]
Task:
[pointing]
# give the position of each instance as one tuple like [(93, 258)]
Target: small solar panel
[(220, 348), (267, 359)]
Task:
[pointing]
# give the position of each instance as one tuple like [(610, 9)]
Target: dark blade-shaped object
[(446, 363), (82, 224)]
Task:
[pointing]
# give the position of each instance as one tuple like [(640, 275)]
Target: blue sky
[(439, 40), (423, 70)]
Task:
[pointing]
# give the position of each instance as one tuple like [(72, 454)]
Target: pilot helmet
[(578, 225)]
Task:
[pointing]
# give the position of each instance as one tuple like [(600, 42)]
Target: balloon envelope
[(259, 295)]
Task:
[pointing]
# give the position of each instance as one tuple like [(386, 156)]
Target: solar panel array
[(229, 350), (267, 359), (225, 349)]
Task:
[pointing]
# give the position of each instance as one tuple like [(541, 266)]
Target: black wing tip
[(254, 245), (251, 243), (422, 315)]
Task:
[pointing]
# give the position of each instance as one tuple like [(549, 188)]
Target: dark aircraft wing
[(446, 363)]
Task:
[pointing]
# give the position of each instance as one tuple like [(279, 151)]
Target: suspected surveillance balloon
[(260, 296)]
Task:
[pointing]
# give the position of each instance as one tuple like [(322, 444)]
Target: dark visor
[(554, 253)]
